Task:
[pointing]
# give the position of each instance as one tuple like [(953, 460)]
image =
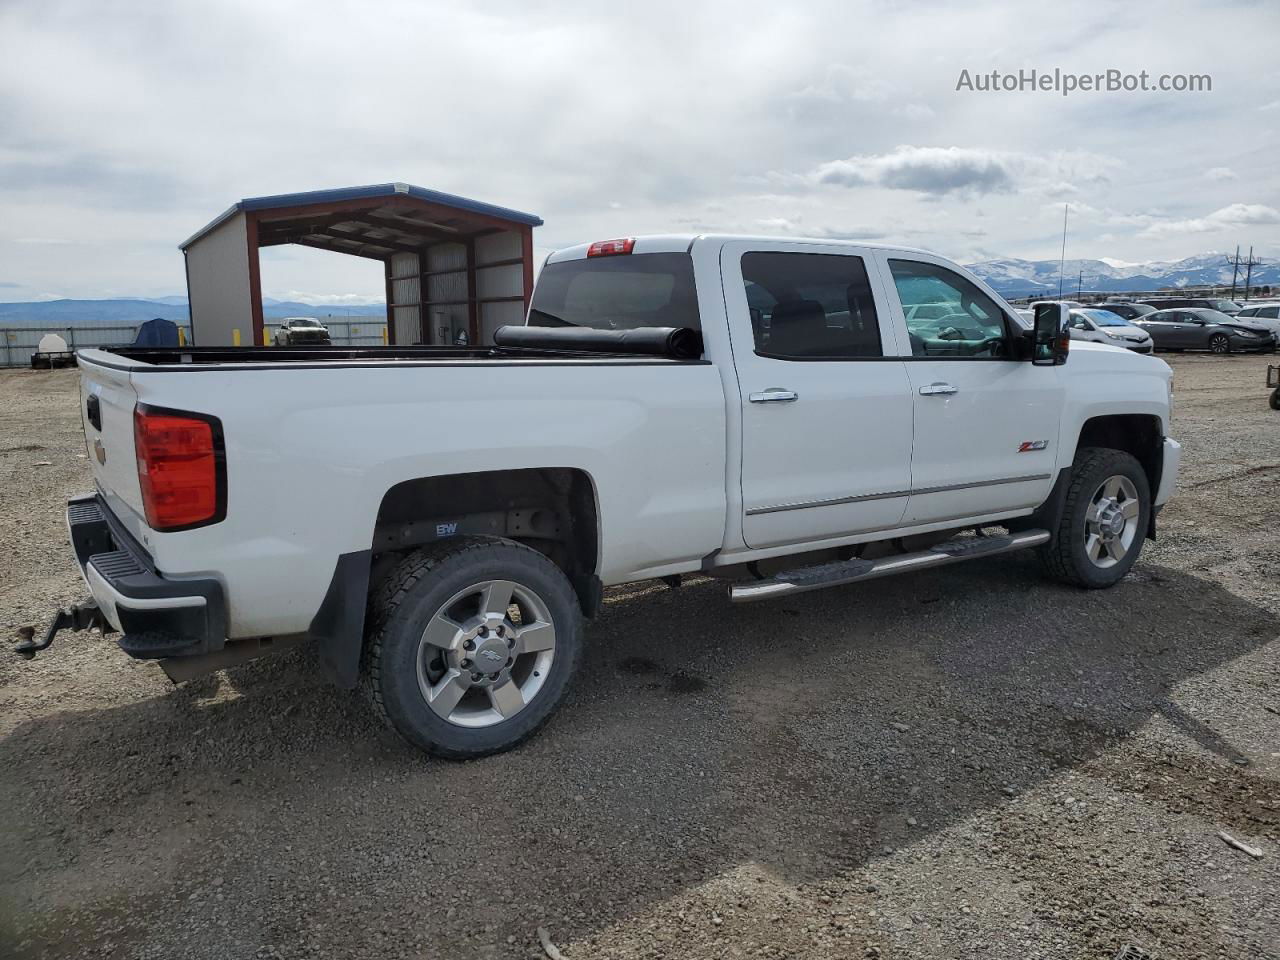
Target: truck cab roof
[(684, 242)]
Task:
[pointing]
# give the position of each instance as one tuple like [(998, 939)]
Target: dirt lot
[(966, 763)]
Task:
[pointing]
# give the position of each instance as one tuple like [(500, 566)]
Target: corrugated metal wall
[(500, 281), (447, 313), (408, 319), (218, 285)]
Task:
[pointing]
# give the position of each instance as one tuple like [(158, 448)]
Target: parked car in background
[(1127, 309), (299, 331), (1229, 307), (1262, 314), (1103, 326), (1201, 329)]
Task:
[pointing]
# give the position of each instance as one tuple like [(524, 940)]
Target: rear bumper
[(156, 617), (1169, 470)]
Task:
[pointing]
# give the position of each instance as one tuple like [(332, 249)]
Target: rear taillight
[(611, 248), (181, 467)]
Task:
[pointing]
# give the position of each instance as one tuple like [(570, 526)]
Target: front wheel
[(1104, 520), (1219, 343), (473, 644)]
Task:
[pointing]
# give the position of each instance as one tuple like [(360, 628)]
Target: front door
[(986, 425), (826, 409)]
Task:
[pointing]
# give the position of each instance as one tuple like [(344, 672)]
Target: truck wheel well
[(1134, 433), (551, 509)]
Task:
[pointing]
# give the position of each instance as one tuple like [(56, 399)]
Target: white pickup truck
[(787, 414)]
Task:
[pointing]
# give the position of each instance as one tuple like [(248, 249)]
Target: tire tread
[(394, 590), (1056, 554)]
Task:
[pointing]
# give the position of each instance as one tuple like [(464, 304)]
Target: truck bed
[(399, 355)]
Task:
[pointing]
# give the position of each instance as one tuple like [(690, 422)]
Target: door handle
[(938, 390), (774, 395)]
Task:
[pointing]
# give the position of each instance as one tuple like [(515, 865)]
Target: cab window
[(960, 320), (810, 306)]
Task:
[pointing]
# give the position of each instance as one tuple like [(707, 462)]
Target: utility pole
[(1248, 277), (1236, 263), (1079, 280), (1062, 263)]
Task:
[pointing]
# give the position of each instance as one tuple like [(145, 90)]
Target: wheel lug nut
[(476, 678), (484, 631), (510, 661), (466, 663), (468, 644)]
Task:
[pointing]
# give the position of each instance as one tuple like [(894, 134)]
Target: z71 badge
[(1028, 445)]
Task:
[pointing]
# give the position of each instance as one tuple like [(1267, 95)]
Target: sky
[(124, 126)]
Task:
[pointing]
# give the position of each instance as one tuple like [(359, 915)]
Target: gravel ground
[(971, 762)]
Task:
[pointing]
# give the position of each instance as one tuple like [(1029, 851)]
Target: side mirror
[(1051, 338)]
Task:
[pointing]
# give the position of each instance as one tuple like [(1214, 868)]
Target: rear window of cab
[(617, 293)]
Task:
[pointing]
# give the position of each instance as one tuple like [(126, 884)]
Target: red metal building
[(456, 269)]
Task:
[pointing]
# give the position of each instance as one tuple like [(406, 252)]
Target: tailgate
[(107, 399)]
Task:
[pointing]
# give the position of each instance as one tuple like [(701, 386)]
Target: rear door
[(826, 406), (1162, 331), (985, 424)]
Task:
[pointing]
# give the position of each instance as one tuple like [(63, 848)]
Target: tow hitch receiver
[(82, 616)]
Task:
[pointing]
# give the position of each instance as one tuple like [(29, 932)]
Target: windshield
[(1225, 306), (1105, 318), (617, 293)]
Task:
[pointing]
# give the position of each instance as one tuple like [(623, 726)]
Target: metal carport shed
[(456, 269)]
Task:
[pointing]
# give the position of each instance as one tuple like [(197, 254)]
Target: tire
[(428, 692), (1219, 343), (1078, 553), (1275, 399)]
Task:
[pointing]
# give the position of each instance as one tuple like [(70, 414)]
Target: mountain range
[(126, 311), (1016, 277)]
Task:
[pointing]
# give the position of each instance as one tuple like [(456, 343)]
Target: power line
[(1236, 263)]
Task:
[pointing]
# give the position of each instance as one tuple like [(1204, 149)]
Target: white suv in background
[(1262, 315), (1103, 326)]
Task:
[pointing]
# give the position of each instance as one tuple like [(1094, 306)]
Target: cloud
[(932, 170), (967, 171), (9, 285), (1221, 173), (1232, 217)]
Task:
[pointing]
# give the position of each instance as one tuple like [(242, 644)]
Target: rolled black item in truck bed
[(680, 343)]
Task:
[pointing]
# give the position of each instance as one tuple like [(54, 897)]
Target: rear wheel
[(1219, 343), (473, 646), (1104, 519)]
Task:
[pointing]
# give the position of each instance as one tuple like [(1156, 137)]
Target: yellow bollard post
[(235, 337), (182, 336), (266, 336), (384, 336)]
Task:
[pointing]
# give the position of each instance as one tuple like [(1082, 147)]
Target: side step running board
[(852, 571)]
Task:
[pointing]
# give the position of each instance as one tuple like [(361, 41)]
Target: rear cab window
[(810, 306), (623, 292)]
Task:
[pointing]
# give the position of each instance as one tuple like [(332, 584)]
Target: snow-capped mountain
[(1012, 276)]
